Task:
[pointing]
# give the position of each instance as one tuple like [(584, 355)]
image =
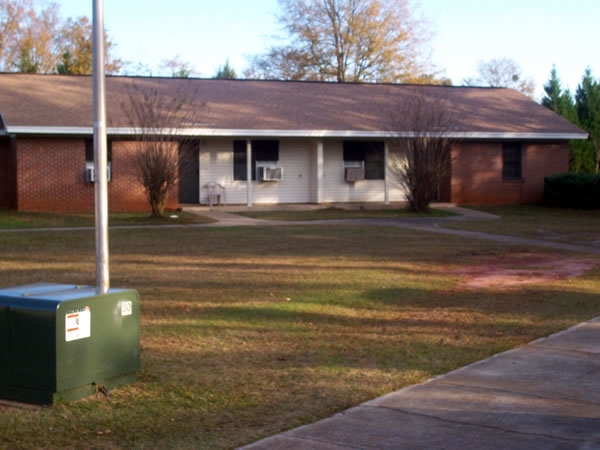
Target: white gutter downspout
[(249, 172)]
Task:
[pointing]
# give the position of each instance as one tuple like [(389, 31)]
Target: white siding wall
[(336, 189), (397, 192), (216, 164), (298, 159)]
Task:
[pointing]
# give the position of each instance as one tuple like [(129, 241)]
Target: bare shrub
[(159, 118), (421, 140)]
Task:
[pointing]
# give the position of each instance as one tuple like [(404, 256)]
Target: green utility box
[(64, 342)]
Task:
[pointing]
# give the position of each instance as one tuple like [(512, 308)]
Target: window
[(511, 161), (369, 153), (239, 160), (89, 160), (89, 150), (265, 151)]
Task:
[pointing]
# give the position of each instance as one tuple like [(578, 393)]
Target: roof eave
[(219, 132)]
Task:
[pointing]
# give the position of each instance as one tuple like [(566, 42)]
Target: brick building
[(274, 142)]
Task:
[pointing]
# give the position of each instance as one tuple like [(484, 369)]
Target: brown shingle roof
[(245, 105)]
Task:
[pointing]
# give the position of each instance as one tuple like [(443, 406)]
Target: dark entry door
[(189, 173)]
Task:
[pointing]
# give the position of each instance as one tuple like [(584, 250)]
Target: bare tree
[(159, 119), (177, 68), (502, 72), (421, 144)]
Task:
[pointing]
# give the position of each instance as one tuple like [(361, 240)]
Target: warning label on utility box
[(78, 324)]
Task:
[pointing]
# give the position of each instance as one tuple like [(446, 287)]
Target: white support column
[(320, 171), (386, 172), (249, 172)]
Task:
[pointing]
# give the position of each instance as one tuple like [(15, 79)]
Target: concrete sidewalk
[(545, 395), (223, 217)]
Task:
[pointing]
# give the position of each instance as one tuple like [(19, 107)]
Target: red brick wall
[(477, 172), (8, 174), (125, 191), (539, 161), (51, 177)]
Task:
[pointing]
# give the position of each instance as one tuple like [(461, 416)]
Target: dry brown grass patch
[(513, 270)]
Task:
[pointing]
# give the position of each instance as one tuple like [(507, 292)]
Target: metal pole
[(100, 150)]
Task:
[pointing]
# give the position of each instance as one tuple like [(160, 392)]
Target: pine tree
[(553, 90), (559, 101), (587, 100), (226, 71), (581, 153)]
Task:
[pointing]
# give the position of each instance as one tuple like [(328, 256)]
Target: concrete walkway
[(545, 395), (436, 228), (225, 217)]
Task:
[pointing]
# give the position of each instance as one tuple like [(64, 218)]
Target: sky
[(536, 34)]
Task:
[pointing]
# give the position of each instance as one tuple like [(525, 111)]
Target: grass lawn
[(249, 331), (12, 219), (533, 221), (335, 213)]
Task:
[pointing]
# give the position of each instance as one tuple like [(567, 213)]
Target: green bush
[(572, 190)]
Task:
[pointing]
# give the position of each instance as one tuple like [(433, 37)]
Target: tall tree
[(348, 41), (12, 14), (559, 101), (76, 44), (554, 94), (587, 99), (581, 153), (35, 38), (37, 43), (503, 72)]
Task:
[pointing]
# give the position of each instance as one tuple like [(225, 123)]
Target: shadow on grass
[(503, 315)]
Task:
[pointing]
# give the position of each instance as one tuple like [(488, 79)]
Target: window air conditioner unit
[(265, 173), (90, 174), (354, 174)]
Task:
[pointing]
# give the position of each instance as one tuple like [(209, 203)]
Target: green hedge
[(572, 190)]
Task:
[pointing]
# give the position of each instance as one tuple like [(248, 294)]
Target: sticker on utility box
[(78, 324), (126, 308)]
